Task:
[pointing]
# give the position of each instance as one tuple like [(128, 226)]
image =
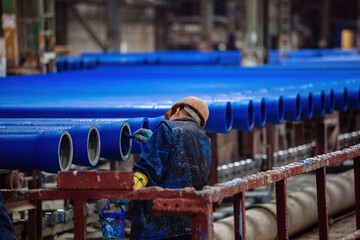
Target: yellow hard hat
[(198, 105)]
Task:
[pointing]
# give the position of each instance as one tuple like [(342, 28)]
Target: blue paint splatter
[(305, 162)]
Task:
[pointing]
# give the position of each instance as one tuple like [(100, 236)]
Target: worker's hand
[(121, 202), (143, 135)]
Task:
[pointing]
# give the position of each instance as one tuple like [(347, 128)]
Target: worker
[(7, 231), (177, 155)]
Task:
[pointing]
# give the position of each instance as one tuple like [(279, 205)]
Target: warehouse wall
[(136, 28)]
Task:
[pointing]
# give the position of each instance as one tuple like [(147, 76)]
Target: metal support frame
[(213, 174), (35, 215), (88, 29), (327, 133), (239, 216), (357, 190), (322, 203), (187, 201), (281, 210)]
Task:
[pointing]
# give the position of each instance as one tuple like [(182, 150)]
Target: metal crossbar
[(199, 204)]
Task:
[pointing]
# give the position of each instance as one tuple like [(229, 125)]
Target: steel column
[(80, 219), (202, 227), (239, 216), (113, 32), (213, 174), (35, 215), (321, 203), (357, 190), (281, 210)]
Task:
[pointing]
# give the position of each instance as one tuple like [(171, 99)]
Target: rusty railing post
[(281, 210), (202, 227), (239, 216), (357, 190), (35, 215), (322, 203), (80, 219)]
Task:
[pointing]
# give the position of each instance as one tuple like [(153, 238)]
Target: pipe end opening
[(332, 100), (263, 111), (298, 105), (250, 114), (228, 117), (281, 108), (345, 96), (125, 142), (65, 151), (93, 145), (323, 100)]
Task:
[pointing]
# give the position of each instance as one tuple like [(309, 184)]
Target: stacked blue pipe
[(111, 95), (89, 61)]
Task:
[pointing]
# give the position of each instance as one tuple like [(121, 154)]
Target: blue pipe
[(307, 105), (340, 100), (330, 102), (85, 139), (242, 121), (50, 151), (319, 103), (221, 117), (115, 140), (155, 121), (260, 112)]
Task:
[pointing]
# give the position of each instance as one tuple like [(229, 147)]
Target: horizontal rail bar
[(208, 194), (228, 189)]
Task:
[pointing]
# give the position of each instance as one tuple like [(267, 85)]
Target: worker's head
[(189, 107)]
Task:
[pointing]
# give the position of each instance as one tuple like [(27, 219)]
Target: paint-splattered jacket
[(6, 228), (178, 155)]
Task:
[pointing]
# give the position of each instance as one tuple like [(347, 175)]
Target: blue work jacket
[(6, 228), (178, 155)]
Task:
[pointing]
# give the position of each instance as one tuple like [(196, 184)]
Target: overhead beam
[(88, 29)]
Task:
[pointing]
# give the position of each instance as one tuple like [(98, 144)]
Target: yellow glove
[(140, 180)]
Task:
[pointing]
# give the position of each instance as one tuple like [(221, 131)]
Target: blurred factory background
[(280, 77)]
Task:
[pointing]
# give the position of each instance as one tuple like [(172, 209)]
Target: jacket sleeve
[(153, 158), (6, 228)]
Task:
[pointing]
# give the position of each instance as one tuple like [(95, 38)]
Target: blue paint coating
[(178, 155), (112, 223), (305, 162)]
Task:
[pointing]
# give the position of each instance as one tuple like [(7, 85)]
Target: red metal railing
[(198, 204)]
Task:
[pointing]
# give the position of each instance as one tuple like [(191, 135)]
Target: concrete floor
[(338, 228)]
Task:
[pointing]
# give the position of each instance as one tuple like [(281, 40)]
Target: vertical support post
[(325, 24), (321, 203), (357, 190), (284, 14), (113, 33), (281, 210), (207, 21), (213, 177), (202, 226), (79, 219), (239, 216), (321, 138), (35, 215)]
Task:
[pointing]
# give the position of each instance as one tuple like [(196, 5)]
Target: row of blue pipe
[(124, 92), (55, 144), (238, 98), (275, 56), (89, 61)]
